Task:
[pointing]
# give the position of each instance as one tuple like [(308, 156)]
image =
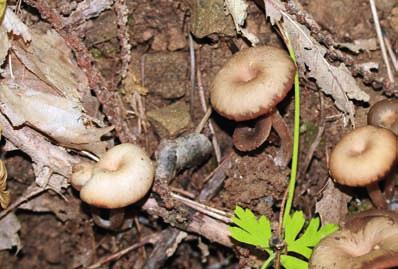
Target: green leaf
[(309, 238), (250, 230), (290, 262)]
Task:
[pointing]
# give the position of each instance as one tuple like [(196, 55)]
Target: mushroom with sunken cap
[(384, 114), (121, 177), (249, 86), (362, 158), (368, 240)]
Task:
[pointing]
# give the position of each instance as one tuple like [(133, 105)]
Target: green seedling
[(297, 240)]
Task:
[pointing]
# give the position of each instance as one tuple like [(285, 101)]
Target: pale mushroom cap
[(373, 244), (82, 172), (123, 176), (385, 114), (363, 156), (252, 83)]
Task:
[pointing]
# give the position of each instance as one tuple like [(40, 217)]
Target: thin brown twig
[(202, 98), (391, 52), (151, 239), (203, 121), (31, 192), (381, 40)]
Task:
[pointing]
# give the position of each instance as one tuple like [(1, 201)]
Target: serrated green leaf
[(250, 230), (290, 262), (293, 226), (309, 238)]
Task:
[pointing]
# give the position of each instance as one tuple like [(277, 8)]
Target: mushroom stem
[(376, 196), (246, 138), (389, 187), (285, 152), (115, 221)]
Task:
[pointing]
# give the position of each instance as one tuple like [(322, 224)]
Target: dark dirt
[(158, 30)]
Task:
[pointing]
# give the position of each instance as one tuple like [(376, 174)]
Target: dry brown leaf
[(50, 59), (360, 45), (9, 227), (58, 117), (334, 81), (332, 207)]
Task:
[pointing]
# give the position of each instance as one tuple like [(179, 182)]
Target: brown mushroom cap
[(370, 243), (121, 177), (384, 114), (363, 156), (252, 83)]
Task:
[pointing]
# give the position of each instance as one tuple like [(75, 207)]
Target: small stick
[(193, 71), (214, 140), (151, 239), (391, 52), (203, 121), (31, 192), (381, 40), (207, 210)]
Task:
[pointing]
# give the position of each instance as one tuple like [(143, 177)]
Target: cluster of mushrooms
[(363, 157), (123, 176), (247, 90), (367, 155)]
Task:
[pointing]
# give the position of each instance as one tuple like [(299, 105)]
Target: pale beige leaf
[(50, 59), (14, 25), (58, 117), (9, 227), (238, 11)]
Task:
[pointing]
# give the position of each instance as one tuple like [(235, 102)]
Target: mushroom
[(367, 241), (362, 158), (385, 114), (248, 87), (122, 176)]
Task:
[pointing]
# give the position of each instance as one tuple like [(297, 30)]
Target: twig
[(391, 52), (122, 11), (207, 210), (203, 121), (381, 40), (214, 140), (151, 239), (193, 72), (31, 192)]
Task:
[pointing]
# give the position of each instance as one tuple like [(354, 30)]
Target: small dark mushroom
[(249, 87)]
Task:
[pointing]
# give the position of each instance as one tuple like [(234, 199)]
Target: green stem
[(296, 137), (268, 261)]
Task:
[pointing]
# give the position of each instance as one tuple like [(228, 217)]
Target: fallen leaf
[(238, 11), (51, 60), (59, 118), (14, 25), (332, 207), (4, 194), (9, 227), (4, 46), (335, 81)]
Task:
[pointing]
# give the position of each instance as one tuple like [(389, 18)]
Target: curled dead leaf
[(4, 193)]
